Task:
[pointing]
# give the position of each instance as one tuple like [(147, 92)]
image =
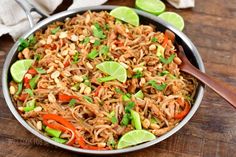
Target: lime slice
[(126, 14), (114, 69), (173, 18), (19, 68), (155, 7), (135, 137)]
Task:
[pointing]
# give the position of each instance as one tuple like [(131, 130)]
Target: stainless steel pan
[(145, 18)]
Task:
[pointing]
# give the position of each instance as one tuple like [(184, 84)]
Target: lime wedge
[(19, 68), (155, 7), (173, 18), (114, 69), (126, 14), (135, 137)]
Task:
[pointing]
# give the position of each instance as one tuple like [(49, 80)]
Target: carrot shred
[(165, 40)]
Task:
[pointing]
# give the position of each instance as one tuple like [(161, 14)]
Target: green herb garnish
[(129, 106), (54, 31), (156, 86), (97, 31), (29, 91), (167, 61), (104, 50), (138, 74), (96, 43), (37, 57), (126, 119), (88, 99), (86, 40), (93, 54), (26, 42), (154, 39), (106, 26), (40, 70), (75, 58), (163, 73)]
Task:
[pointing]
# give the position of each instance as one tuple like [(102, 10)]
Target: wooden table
[(211, 25)]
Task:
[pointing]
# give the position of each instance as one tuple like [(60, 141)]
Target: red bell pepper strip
[(32, 71), (182, 114), (165, 40), (67, 64), (68, 125), (96, 92), (66, 98), (26, 82), (64, 124), (23, 97)]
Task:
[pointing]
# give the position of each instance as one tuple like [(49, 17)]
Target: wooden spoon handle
[(219, 87)]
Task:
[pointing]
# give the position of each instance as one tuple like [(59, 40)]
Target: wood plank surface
[(211, 25)]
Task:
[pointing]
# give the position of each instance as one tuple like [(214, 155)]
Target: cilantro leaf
[(138, 74), (104, 50), (96, 43), (88, 99), (97, 31), (156, 86), (93, 54), (167, 61), (54, 31), (29, 91), (40, 70), (154, 39), (75, 58), (129, 106), (126, 119)]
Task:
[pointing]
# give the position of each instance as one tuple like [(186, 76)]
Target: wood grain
[(211, 25)]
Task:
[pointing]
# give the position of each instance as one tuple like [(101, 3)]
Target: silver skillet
[(145, 18)]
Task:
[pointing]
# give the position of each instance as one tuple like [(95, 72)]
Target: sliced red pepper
[(97, 90), (26, 82), (23, 97), (66, 98), (182, 114), (165, 40), (68, 125), (67, 64), (32, 71)]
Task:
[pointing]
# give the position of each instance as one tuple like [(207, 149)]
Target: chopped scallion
[(93, 54)]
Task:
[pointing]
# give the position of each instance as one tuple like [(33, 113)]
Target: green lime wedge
[(126, 14), (19, 69), (173, 18), (135, 137), (114, 69), (155, 7)]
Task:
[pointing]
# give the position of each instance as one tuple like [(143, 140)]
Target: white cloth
[(179, 4), (13, 19)]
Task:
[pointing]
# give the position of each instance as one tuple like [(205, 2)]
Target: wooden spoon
[(220, 88), (217, 86)]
